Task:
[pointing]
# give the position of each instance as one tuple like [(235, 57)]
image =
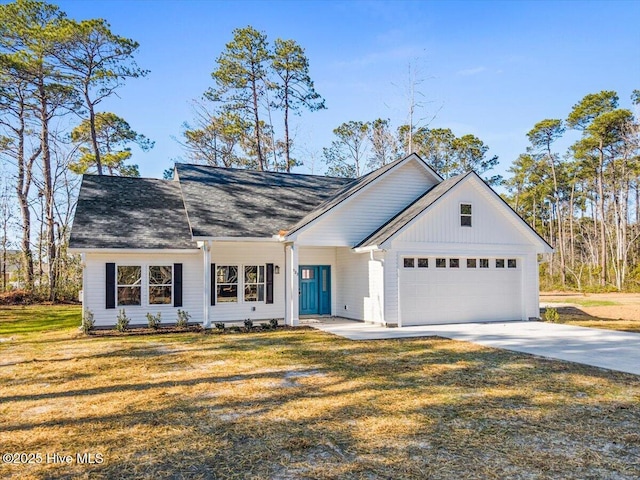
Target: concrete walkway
[(609, 349)]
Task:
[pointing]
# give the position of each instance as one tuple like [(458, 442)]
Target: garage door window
[(471, 263), (511, 263), (454, 263), (499, 262), (484, 263), (409, 263), (441, 263), (423, 263)]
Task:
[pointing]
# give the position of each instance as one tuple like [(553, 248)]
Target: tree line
[(54, 74), (586, 200)]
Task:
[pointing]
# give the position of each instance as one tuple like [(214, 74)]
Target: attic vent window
[(465, 214)]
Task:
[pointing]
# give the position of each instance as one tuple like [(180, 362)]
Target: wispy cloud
[(383, 56), (471, 71)]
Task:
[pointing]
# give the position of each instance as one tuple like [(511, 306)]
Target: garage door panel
[(455, 295)]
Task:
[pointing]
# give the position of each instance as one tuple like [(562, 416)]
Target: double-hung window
[(254, 283), (160, 284), (227, 283), (465, 214), (129, 281)]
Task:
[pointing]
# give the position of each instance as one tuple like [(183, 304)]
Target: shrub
[(219, 325), (551, 315), (153, 320), (122, 321), (274, 323), (265, 326), (183, 318), (248, 324), (19, 297), (88, 323), (235, 328)]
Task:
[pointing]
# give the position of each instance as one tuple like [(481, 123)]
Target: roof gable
[(383, 237), (357, 186)]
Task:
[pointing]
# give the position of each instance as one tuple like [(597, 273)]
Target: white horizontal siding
[(241, 254), (352, 276), (95, 287), (363, 213)]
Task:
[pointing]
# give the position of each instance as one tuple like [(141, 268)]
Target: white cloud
[(471, 71)]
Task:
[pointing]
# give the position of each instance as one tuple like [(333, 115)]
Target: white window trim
[(239, 289), (173, 283), (470, 215), (409, 257), (263, 283), (241, 283), (144, 285)]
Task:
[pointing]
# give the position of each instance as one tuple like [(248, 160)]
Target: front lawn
[(294, 404)]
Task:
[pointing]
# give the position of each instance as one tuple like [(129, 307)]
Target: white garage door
[(456, 290)]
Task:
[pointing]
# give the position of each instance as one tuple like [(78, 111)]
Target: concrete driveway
[(590, 346)]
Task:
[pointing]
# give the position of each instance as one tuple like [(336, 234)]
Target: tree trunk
[(558, 215), (48, 190), (254, 91), (603, 233), (92, 127), (23, 184), (287, 146)]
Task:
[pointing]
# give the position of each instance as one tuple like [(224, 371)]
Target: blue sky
[(492, 69)]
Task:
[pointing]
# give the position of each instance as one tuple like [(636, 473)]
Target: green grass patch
[(581, 301), (38, 318), (595, 303)]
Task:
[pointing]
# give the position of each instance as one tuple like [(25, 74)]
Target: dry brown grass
[(304, 404)]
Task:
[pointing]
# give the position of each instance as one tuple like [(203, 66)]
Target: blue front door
[(315, 290)]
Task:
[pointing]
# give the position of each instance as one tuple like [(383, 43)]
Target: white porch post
[(206, 250), (291, 292)]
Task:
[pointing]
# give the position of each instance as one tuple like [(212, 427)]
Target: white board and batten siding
[(95, 287), (444, 295), (363, 213)]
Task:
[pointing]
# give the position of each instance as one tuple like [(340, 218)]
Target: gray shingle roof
[(224, 202), (387, 230), (122, 212)]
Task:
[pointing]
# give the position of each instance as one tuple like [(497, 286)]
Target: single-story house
[(398, 246)]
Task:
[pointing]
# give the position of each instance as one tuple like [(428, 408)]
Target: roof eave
[(109, 250), (205, 238)]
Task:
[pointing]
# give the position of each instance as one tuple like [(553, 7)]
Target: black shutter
[(177, 284), (269, 283), (213, 284), (111, 285)]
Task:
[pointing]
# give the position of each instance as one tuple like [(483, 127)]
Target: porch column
[(291, 284), (206, 255)]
